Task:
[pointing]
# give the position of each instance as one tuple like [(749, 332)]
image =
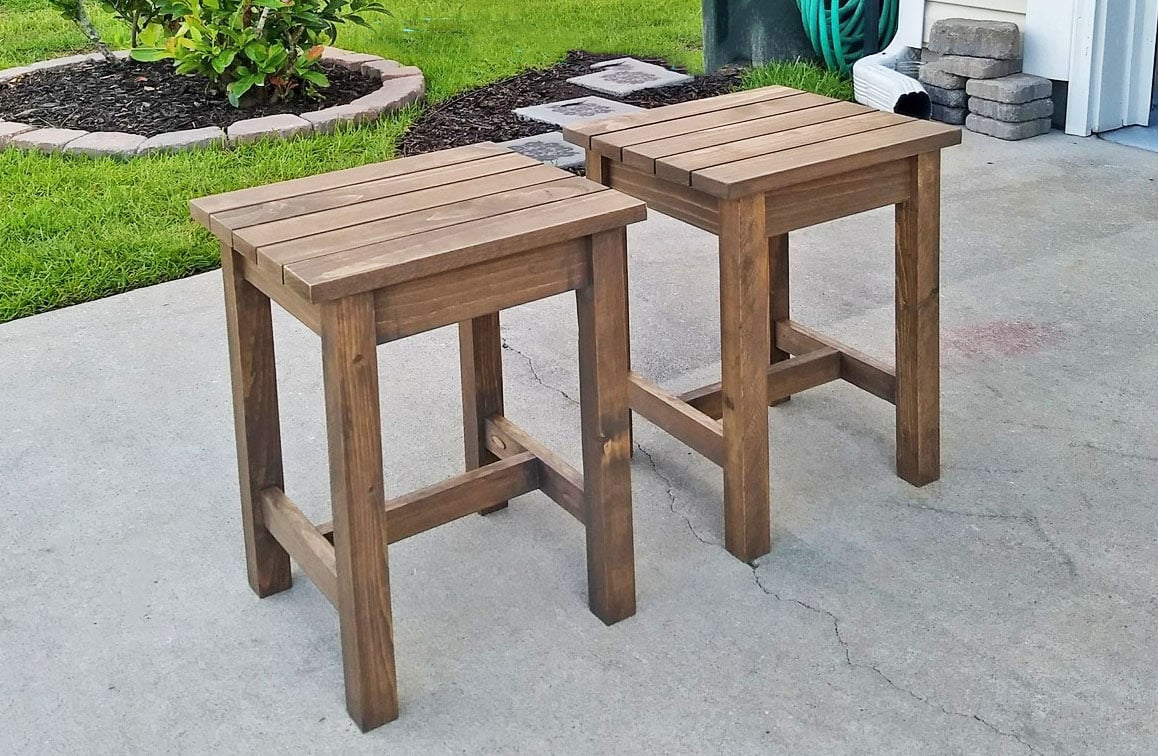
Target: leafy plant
[(262, 50)]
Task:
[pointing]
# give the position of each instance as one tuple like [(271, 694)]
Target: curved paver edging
[(401, 86)]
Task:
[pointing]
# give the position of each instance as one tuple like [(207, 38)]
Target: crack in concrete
[(672, 497), (535, 373), (877, 671), (1117, 452)]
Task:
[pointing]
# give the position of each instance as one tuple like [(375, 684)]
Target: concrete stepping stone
[(549, 148), (567, 112), (626, 75)]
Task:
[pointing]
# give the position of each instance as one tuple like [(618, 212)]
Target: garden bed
[(485, 114)]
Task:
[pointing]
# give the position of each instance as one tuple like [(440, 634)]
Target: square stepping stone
[(549, 148), (626, 75), (567, 112)]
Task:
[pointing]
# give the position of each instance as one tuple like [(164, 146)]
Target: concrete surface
[(1008, 609)]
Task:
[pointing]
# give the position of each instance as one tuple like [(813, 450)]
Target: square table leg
[(778, 296), (918, 249), (603, 369), (253, 372), (745, 351), (350, 374), (480, 351)]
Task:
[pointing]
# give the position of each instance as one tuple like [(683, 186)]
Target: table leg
[(253, 372), (350, 374), (603, 373), (778, 296), (745, 350), (918, 250), (480, 349)]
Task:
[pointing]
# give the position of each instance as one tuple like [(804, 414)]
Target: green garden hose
[(837, 31)]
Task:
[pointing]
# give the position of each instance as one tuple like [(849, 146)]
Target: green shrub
[(260, 50)]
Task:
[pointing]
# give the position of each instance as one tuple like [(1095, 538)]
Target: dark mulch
[(147, 98), (484, 114)]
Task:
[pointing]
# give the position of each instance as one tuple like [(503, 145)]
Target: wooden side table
[(385, 251), (751, 167)]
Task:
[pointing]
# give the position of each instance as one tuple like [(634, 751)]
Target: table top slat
[(431, 213), (680, 167), (377, 265), (355, 194), (613, 144), (644, 156), (582, 133), (205, 207), (320, 231), (818, 160)]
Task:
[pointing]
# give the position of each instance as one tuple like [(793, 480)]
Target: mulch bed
[(148, 98), (484, 114)]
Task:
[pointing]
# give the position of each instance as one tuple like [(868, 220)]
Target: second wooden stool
[(385, 251)]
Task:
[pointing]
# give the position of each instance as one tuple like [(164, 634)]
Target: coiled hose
[(836, 28)]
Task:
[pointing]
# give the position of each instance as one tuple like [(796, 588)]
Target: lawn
[(74, 229)]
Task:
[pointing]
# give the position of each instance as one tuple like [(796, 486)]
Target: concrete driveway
[(1012, 607)]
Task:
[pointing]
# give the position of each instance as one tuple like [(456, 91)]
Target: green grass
[(74, 229)]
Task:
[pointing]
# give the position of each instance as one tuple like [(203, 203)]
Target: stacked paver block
[(972, 72)]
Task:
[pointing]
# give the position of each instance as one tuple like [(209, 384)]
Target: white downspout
[(886, 80)]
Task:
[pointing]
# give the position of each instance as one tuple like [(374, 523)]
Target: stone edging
[(401, 86)]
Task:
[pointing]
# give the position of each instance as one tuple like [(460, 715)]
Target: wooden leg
[(918, 324), (778, 299), (480, 350), (350, 372), (255, 412), (745, 349), (606, 442)]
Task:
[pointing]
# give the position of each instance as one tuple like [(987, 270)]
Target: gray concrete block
[(280, 126), (979, 68), (189, 139), (978, 39), (1013, 89), (550, 148), (1009, 131), (950, 98), (389, 69), (1010, 112), (626, 75), (46, 140), (935, 75), (325, 121), (9, 129), (394, 94), (348, 59), (954, 116), (115, 144), (8, 74), (567, 112)]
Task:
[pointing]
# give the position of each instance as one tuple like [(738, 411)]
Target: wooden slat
[(784, 379), (856, 367), (615, 143), (399, 260), (204, 207), (838, 196), (510, 194), (828, 158), (357, 196), (918, 383), (558, 479), (306, 544), (294, 239), (819, 110), (667, 411), (455, 296), (682, 202), (681, 167), (462, 495), (582, 133)]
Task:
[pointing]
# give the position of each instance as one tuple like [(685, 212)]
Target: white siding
[(987, 10)]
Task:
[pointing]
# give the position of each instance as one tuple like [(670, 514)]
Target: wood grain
[(561, 482), (856, 367), (480, 350), (306, 544), (784, 379), (697, 430)]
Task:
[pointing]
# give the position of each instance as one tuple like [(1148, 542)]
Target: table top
[(747, 142), (360, 229)]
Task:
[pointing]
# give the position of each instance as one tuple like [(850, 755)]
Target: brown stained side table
[(751, 167), (385, 251)]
